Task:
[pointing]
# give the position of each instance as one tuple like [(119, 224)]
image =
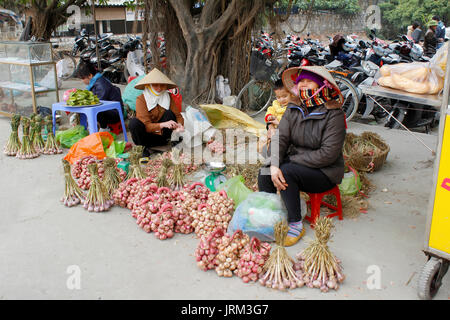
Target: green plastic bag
[(235, 189), (67, 138), (115, 149), (349, 185)]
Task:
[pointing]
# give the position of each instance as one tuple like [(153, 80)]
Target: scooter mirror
[(371, 36), (362, 44), (405, 38)]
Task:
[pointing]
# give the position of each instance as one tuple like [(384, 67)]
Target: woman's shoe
[(290, 241)]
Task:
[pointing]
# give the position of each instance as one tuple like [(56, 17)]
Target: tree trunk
[(203, 43)]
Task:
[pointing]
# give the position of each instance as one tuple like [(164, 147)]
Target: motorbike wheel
[(399, 113), (351, 101)]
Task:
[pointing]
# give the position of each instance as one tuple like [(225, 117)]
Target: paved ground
[(44, 244)]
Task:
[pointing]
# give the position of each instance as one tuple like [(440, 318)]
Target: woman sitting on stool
[(156, 113), (306, 151)]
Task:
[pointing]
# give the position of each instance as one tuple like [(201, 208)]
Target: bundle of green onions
[(27, 150), (13, 145), (111, 176), (51, 145), (98, 198), (135, 170), (279, 272), (317, 266), (38, 141), (73, 195)]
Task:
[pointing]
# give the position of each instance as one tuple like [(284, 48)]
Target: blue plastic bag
[(257, 215)]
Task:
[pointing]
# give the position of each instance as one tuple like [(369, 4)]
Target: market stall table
[(88, 114)]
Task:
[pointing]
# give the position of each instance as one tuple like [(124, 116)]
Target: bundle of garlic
[(162, 180), (230, 251), (207, 250), (13, 145), (98, 198), (51, 145), (177, 178), (135, 170), (111, 176), (26, 150), (279, 272), (316, 264), (73, 195), (38, 141), (252, 261)]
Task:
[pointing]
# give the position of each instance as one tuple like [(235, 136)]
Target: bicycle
[(258, 93)]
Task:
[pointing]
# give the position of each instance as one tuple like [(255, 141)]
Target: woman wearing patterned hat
[(306, 152), (156, 113)]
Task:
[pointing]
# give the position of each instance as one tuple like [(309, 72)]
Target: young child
[(276, 111)]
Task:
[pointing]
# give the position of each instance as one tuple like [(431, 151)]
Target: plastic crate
[(262, 68)]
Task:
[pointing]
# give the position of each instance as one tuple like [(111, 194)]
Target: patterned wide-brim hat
[(290, 75)]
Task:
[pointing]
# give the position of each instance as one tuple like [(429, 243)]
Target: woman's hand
[(169, 125), (278, 178), (179, 128)]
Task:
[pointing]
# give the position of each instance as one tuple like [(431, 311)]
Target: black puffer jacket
[(312, 137)]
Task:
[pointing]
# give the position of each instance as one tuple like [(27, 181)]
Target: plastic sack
[(235, 189), (130, 94), (351, 184), (416, 77), (67, 138), (197, 127), (257, 215), (223, 117), (116, 148), (91, 145)]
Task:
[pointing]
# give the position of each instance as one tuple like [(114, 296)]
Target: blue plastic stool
[(88, 115)]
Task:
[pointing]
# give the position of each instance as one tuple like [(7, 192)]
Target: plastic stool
[(116, 128), (315, 201), (88, 114)]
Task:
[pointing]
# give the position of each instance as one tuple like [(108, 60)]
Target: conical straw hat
[(155, 76), (291, 74)]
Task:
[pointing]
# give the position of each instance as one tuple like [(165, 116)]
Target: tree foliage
[(345, 7), (398, 14)]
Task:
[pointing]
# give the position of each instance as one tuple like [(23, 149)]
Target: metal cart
[(437, 229)]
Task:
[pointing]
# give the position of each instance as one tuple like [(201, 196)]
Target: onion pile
[(13, 145), (207, 250), (230, 251), (84, 180), (317, 266), (73, 195), (123, 192), (252, 260), (37, 141), (216, 212), (163, 222), (97, 198), (279, 273), (51, 145), (216, 147), (26, 150)]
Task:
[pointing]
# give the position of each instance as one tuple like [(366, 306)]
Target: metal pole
[(96, 35)]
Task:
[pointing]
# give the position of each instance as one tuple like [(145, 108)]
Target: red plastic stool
[(315, 201), (116, 128)]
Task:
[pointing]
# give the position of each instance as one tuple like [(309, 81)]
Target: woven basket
[(355, 158)]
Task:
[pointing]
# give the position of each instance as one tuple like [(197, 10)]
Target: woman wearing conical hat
[(306, 150), (156, 113)]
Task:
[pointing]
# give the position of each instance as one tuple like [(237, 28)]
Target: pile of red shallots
[(216, 147), (252, 261), (81, 173), (207, 250), (216, 212), (231, 249), (160, 209), (154, 165)]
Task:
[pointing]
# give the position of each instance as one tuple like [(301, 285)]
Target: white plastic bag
[(197, 127), (135, 66), (222, 87)]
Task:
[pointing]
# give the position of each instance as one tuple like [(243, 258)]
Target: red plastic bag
[(177, 98), (91, 145)]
